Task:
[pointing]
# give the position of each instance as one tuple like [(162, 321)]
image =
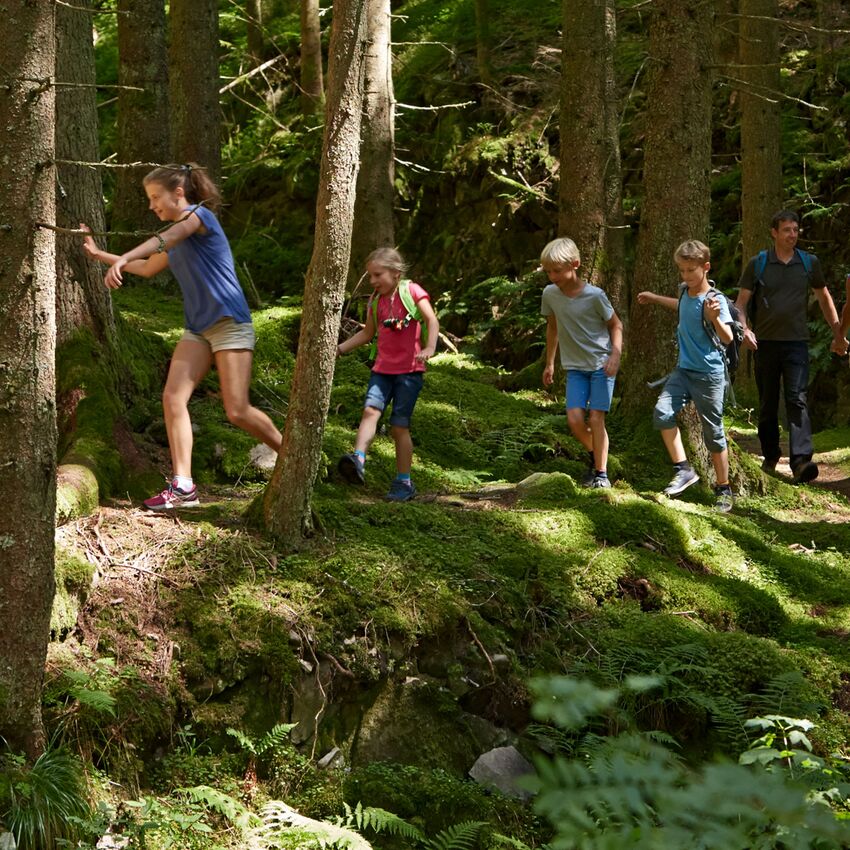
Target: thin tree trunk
[(143, 112), (287, 499), (482, 41), (373, 217), (256, 46), (194, 84), (762, 192), (590, 195), (676, 180), (312, 88), (27, 389), (82, 300)]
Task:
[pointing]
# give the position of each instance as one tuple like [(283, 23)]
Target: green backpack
[(413, 313)]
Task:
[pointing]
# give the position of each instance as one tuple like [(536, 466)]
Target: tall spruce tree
[(27, 389), (312, 85)]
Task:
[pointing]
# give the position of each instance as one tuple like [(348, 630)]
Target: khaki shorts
[(225, 334)]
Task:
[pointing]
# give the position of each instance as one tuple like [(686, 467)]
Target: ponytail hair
[(192, 179), (388, 258)]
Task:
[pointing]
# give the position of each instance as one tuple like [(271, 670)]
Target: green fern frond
[(380, 820), (217, 801), (244, 741), (275, 738), (460, 836)]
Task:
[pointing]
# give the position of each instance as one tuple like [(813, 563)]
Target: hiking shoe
[(401, 491), (172, 497), (805, 472), (351, 468), (769, 464), (724, 501), (600, 482), (680, 482), (589, 477)]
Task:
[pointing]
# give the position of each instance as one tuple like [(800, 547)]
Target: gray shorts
[(706, 390), (225, 334)]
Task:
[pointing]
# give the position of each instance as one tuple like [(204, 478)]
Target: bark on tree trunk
[(194, 84), (762, 192), (482, 41), (82, 300), (373, 212), (254, 15), (143, 112), (312, 88), (27, 388), (287, 499), (677, 164), (590, 194)]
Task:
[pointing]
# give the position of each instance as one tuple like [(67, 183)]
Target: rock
[(262, 457), (502, 768), (328, 758)]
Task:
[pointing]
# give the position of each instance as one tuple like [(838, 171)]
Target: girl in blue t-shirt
[(218, 320)]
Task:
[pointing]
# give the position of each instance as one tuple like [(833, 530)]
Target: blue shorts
[(402, 390), (595, 389), (705, 389)]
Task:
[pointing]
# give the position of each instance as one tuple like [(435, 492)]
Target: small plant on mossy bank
[(631, 791), (43, 804)]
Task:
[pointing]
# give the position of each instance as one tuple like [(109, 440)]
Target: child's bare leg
[(673, 440), (403, 449), (234, 369), (367, 429), (720, 460), (599, 436), (578, 426), (189, 363)]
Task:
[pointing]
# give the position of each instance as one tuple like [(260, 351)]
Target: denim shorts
[(705, 389), (225, 334), (593, 388), (402, 390)]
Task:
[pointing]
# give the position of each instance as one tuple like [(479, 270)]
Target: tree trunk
[(82, 300), (143, 112), (312, 89), (287, 499), (762, 192), (254, 16), (27, 390), (482, 41), (373, 212), (590, 195), (676, 180), (193, 62)]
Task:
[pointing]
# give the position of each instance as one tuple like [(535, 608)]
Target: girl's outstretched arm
[(143, 268), (158, 244), (362, 336)]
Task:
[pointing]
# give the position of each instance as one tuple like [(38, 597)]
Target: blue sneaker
[(401, 491), (351, 468)]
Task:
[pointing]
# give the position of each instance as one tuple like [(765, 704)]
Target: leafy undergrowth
[(406, 634)]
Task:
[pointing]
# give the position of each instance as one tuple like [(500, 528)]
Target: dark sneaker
[(172, 497), (600, 482), (401, 491), (351, 468), (769, 464), (805, 472), (588, 478), (724, 500), (680, 482)]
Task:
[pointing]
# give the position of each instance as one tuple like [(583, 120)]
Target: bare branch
[(247, 76), (765, 92)]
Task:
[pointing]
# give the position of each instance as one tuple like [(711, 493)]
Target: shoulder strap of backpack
[(806, 260), (760, 266), (413, 310)]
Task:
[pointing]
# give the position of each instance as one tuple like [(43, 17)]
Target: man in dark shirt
[(777, 292)]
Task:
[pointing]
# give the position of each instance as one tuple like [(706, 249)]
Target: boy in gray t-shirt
[(581, 321)]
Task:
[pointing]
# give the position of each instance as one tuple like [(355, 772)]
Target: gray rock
[(502, 768), (262, 457), (328, 758)]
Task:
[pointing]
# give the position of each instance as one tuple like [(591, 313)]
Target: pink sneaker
[(172, 497)]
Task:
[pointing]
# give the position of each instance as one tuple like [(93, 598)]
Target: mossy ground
[(727, 609)]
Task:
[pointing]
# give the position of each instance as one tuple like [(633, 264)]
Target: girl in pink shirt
[(406, 341)]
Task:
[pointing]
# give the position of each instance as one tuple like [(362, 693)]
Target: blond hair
[(694, 251), (561, 251), (388, 258)]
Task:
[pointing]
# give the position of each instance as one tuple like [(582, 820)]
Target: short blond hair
[(694, 251), (561, 251)]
